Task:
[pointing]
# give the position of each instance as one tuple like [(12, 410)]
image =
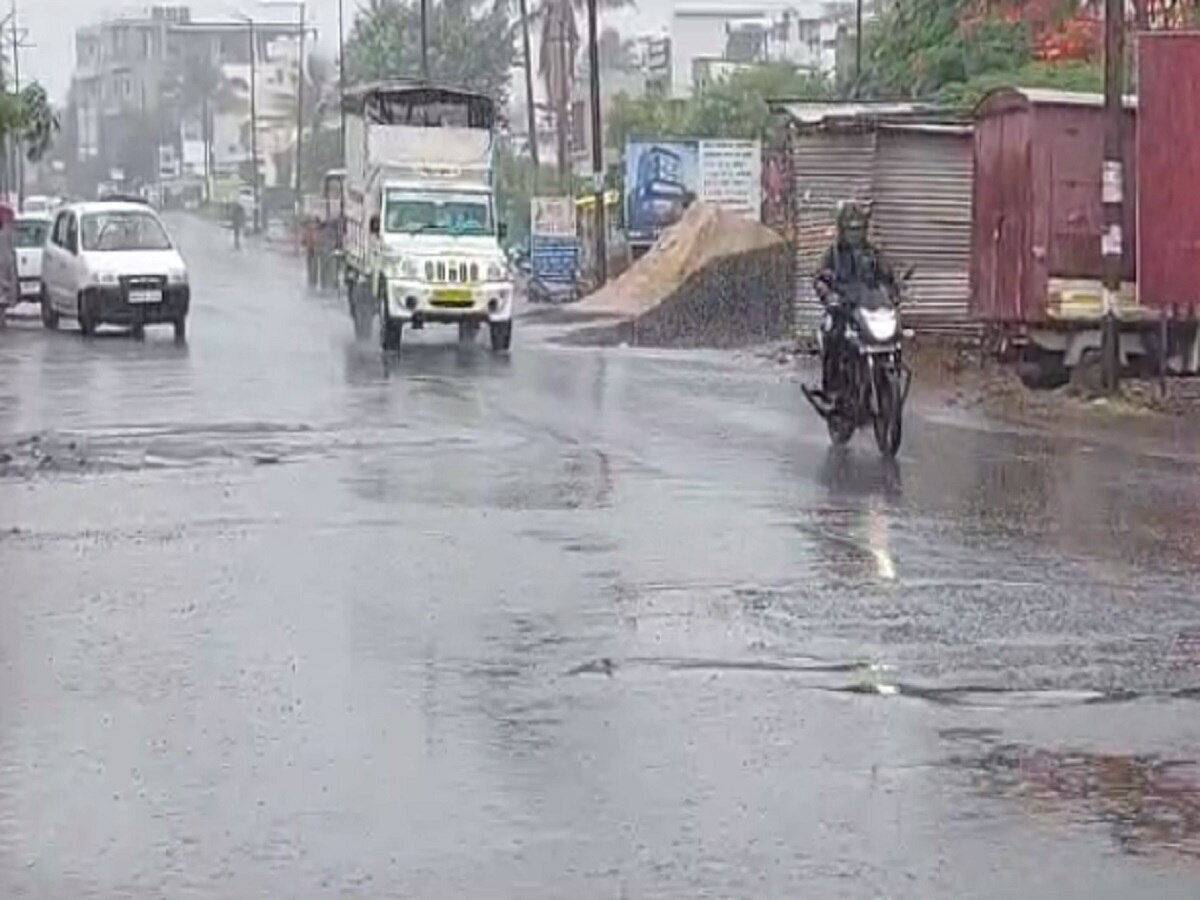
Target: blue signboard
[(554, 258), (661, 180)]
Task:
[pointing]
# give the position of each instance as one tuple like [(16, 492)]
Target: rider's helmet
[(852, 224)]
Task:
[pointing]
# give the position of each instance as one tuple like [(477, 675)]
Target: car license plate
[(145, 295), (453, 296)]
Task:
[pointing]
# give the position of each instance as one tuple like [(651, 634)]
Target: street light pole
[(858, 47), (597, 145)]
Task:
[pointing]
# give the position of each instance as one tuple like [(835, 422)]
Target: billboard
[(662, 178), (554, 244)]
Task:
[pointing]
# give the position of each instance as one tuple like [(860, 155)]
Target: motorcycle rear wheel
[(889, 416)]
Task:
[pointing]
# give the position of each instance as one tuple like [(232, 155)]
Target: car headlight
[(497, 272), (106, 278), (177, 276), (403, 267)]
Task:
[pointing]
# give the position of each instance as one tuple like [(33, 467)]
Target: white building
[(712, 38)]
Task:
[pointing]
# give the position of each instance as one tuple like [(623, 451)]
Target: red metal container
[(1037, 214), (1168, 142)]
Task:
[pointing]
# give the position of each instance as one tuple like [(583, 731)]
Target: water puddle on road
[(1146, 803)]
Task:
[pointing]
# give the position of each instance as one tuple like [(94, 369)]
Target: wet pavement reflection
[(284, 618)]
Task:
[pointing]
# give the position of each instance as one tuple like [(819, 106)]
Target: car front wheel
[(49, 316)]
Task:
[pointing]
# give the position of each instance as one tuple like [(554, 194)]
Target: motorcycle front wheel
[(889, 412)]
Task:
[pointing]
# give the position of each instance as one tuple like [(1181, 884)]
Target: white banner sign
[(731, 175)]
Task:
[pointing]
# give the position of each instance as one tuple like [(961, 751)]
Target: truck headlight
[(403, 267), (497, 272)]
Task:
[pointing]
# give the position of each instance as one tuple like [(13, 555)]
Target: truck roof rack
[(423, 103)]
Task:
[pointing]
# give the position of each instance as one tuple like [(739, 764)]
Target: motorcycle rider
[(852, 264)]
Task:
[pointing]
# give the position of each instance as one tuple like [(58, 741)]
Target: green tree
[(917, 47), (734, 107), (470, 43), (30, 118)]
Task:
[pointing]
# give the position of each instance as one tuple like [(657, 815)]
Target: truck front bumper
[(486, 302)]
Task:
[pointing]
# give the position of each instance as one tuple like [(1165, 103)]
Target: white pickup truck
[(421, 242)]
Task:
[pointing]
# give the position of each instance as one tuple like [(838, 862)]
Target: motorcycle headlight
[(881, 324)]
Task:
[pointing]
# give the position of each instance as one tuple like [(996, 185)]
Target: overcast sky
[(51, 27)]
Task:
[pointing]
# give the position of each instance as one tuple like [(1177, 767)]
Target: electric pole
[(342, 79), (858, 47), (300, 119), (18, 156), (531, 111), (597, 145), (425, 40), (1113, 191), (254, 177)]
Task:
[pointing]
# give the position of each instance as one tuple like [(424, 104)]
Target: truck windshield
[(438, 214)]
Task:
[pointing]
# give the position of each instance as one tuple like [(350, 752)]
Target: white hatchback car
[(113, 262), (29, 239)]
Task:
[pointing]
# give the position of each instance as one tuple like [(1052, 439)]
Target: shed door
[(922, 218), (826, 170)]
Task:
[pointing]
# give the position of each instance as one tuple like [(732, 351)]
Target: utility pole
[(424, 40), (254, 176), (342, 79), (300, 119), (18, 156), (597, 145), (531, 112), (1113, 191), (858, 47)]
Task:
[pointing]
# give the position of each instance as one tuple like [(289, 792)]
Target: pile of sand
[(704, 235)]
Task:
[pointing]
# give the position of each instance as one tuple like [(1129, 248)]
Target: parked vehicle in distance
[(37, 205), (113, 263), (29, 239)]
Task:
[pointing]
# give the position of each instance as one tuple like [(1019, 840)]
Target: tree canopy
[(30, 117), (470, 43), (733, 107), (954, 50)]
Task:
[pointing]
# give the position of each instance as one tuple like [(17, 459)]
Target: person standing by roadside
[(9, 285), (237, 221)]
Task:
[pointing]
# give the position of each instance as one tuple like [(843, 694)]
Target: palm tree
[(31, 118), (559, 38)]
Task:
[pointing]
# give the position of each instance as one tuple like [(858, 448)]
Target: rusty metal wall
[(1001, 214), (922, 218), (827, 168), (1168, 170)]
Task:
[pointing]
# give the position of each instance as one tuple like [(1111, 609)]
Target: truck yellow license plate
[(453, 297)]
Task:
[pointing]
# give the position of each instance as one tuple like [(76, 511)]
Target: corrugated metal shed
[(827, 170), (923, 218), (1168, 172), (912, 164)]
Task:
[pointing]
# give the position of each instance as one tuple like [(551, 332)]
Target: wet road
[(280, 621)]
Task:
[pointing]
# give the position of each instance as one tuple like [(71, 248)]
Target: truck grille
[(451, 271)]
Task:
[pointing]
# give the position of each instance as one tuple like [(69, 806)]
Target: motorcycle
[(870, 379)]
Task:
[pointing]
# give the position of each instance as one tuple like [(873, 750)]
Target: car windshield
[(123, 230), (457, 214), (30, 234)]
